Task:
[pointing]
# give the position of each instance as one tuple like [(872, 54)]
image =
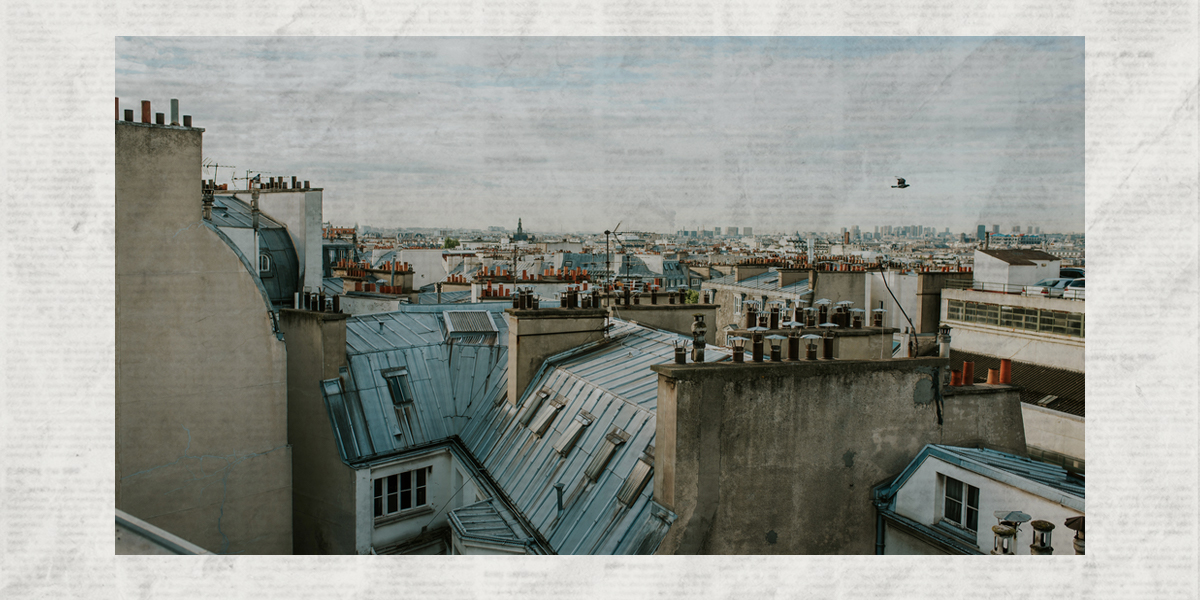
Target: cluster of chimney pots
[(844, 264)]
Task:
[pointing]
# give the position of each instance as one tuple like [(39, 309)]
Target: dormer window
[(264, 263)]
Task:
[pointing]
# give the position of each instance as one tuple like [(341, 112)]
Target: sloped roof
[(611, 382), (460, 296), (1048, 481), (229, 211), (1036, 381), (459, 390), (1052, 476), (1020, 257)]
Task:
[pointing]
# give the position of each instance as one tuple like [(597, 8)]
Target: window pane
[(391, 503), (954, 489), (420, 477), (406, 480), (379, 488), (421, 496), (406, 499), (973, 497), (953, 510), (953, 505), (391, 484), (378, 505), (972, 519)]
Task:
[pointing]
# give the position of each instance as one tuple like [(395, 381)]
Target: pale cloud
[(670, 133)]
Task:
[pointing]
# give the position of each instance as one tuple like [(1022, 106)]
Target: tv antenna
[(212, 164), (608, 251)]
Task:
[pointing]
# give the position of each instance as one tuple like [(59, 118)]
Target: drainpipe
[(878, 530)]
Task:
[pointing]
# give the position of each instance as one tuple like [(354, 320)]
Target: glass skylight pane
[(566, 441), (634, 484)]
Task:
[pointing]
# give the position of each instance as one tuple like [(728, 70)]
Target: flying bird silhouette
[(900, 183)]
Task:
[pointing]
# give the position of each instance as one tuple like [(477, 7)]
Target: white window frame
[(264, 263), (388, 493), (963, 502)]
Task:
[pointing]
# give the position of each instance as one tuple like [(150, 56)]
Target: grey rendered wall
[(323, 489), (670, 317), (780, 459), (201, 391)]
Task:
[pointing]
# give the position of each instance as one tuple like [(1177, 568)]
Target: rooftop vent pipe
[(699, 329), (1041, 538), (1002, 544)]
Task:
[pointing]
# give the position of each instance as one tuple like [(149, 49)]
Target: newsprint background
[(58, 364)]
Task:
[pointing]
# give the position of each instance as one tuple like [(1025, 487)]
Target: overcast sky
[(575, 134)]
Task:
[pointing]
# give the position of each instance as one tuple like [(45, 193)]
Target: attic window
[(637, 480), (264, 263), (567, 440), (615, 438), (541, 422), (398, 385)]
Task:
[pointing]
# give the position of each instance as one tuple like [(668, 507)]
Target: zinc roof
[(229, 211), (459, 389), (1049, 481), (1049, 475), (1020, 257), (768, 281)]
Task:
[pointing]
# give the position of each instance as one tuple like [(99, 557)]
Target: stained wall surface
[(780, 458), (201, 390)]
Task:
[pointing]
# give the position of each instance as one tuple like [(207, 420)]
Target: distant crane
[(900, 183)]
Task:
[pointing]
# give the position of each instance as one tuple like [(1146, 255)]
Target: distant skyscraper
[(1029, 229), (1038, 230), (732, 230), (995, 229), (748, 231), (980, 232), (716, 231)]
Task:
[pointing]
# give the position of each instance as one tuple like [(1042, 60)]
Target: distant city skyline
[(576, 134)]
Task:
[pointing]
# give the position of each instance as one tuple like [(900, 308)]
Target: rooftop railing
[(1009, 288)]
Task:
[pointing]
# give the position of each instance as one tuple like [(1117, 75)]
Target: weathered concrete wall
[(1052, 431), (780, 458), (535, 335), (361, 305), (876, 346), (428, 266), (201, 390), (671, 317), (322, 485), (839, 285)]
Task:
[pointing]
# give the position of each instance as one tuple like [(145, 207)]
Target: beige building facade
[(201, 389)]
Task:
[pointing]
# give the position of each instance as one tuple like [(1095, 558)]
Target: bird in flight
[(900, 183)]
